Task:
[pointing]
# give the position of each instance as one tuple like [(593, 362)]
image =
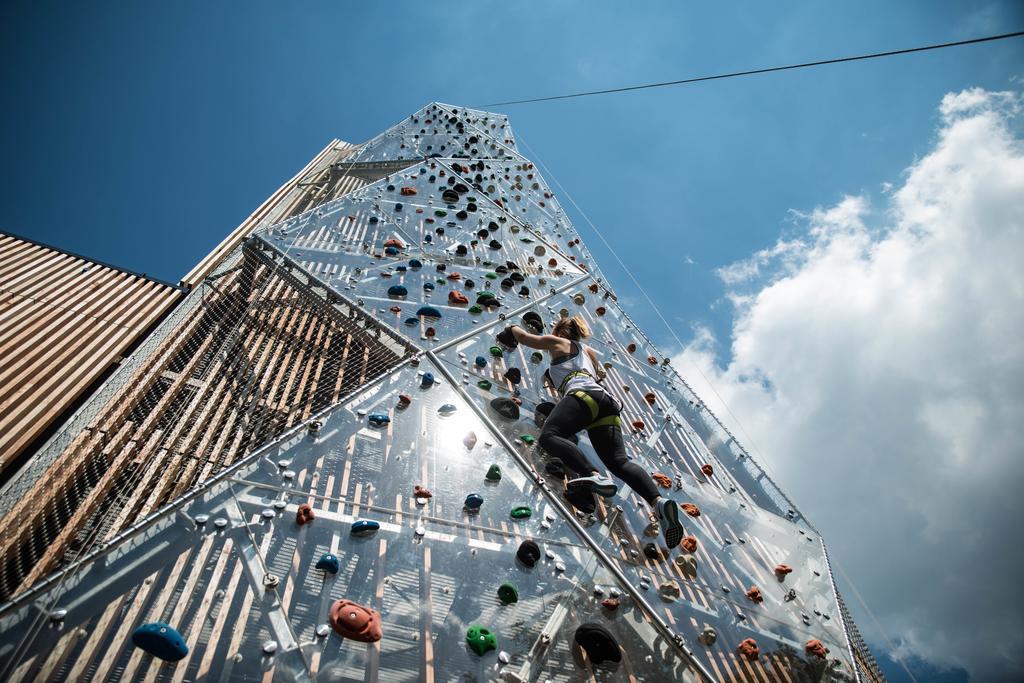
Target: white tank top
[(574, 371)]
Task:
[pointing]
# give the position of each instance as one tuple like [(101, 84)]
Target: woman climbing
[(584, 404)]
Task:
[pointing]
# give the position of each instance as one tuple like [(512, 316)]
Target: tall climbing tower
[(325, 417)]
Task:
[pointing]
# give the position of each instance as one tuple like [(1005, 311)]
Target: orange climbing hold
[(457, 298), (689, 544), (593, 288), (610, 604), (754, 594), (394, 243), (421, 492), (652, 360), (355, 622), (691, 509), (748, 650), (708, 470), (781, 570), (396, 309), (408, 191), (650, 397), (430, 333), (663, 480), (631, 348), (815, 648), (304, 514), (552, 262), (454, 276), (638, 424)]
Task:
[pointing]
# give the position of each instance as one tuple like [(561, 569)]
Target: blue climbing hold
[(160, 640), (329, 563), (428, 380), (428, 312), (415, 263), (364, 527), (397, 290), (378, 420), (391, 251), (481, 362), (474, 501), (428, 238), (400, 269), (412, 321)]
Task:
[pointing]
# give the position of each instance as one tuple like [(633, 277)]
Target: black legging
[(572, 415)]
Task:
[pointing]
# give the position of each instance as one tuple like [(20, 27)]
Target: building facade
[(335, 357)]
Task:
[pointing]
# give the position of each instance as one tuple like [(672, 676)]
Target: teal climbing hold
[(329, 563), (160, 640), (481, 640), (508, 593), (527, 439)]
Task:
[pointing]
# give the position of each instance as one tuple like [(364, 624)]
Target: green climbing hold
[(475, 310), (491, 276), (521, 512), (440, 212), (496, 351), (493, 473), (508, 594), (537, 357), (481, 640), (484, 384), (441, 280), (527, 439)]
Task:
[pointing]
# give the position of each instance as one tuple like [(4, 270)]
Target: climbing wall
[(422, 487)]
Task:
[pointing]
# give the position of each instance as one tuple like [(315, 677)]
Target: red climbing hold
[(754, 594), (781, 570), (394, 243), (454, 276), (748, 650), (404, 400), (631, 348), (430, 333), (593, 288), (691, 509), (638, 424), (610, 604), (396, 309), (457, 298), (420, 492), (652, 360), (664, 481), (304, 514), (650, 397), (689, 544), (408, 191), (708, 470), (600, 310), (815, 648), (352, 620)]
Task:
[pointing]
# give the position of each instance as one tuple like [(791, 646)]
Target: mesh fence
[(255, 349)]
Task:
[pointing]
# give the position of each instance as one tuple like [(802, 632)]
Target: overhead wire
[(771, 69)]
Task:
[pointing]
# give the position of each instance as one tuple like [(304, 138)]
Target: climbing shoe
[(598, 485), (581, 499), (668, 516)]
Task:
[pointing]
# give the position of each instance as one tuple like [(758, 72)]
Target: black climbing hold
[(505, 407), (428, 312), (462, 215), (398, 207), (160, 640), (461, 250), (507, 283), (415, 263), (397, 290), (514, 375), (528, 552), (533, 322), (598, 642), (652, 552), (474, 501), (494, 244)]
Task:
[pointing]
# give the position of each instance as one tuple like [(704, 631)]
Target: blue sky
[(141, 133)]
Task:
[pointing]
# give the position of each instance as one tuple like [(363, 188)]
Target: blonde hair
[(574, 328)]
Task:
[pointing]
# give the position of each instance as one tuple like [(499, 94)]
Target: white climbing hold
[(220, 522), (268, 514), (559, 566), (269, 647), (421, 530), (503, 657), (323, 630)]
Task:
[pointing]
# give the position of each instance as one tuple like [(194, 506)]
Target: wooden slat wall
[(64, 320)]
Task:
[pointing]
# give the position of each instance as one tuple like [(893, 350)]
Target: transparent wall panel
[(441, 130), (204, 580)]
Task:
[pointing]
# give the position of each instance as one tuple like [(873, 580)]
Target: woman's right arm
[(546, 342)]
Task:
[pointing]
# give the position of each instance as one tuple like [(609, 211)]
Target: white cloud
[(892, 345)]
